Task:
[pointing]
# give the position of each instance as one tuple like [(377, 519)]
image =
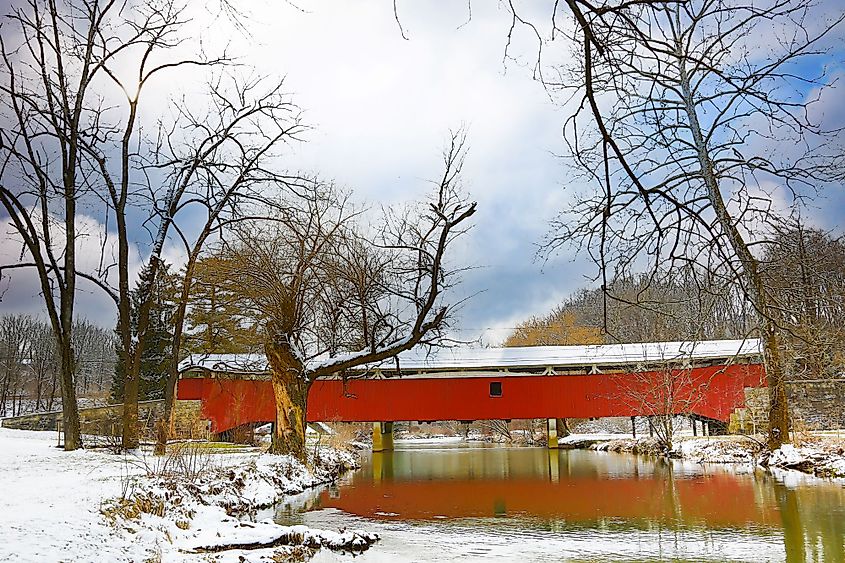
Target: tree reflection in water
[(560, 491)]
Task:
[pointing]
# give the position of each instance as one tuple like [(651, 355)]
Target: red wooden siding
[(713, 392)]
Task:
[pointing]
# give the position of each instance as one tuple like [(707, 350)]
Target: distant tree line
[(804, 267), (30, 364)]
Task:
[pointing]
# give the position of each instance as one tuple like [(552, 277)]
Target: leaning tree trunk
[(290, 389), (776, 381), (165, 426), (756, 290)]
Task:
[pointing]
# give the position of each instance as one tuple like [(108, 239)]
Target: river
[(477, 502)]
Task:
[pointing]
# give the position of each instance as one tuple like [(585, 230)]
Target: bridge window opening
[(495, 388)]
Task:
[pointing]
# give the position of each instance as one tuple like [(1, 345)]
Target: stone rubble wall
[(107, 420), (819, 404), (814, 405)]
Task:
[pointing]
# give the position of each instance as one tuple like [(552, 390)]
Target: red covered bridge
[(706, 379)]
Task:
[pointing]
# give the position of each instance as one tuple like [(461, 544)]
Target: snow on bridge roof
[(238, 363), (445, 359)]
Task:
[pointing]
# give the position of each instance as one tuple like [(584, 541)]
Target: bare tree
[(329, 300), (500, 429), (15, 350), (222, 171), (29, 363), (136, 45), (662, 394), (682, 115), (208, 156), (96, 358), (805, 268), (50, 64), (44, 363)]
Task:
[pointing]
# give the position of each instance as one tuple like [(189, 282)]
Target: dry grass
[(184, 463), (802, 432), (131, 508), (343, 436), (294, 554)]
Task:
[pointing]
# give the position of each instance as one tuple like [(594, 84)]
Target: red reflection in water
[(714, 501)]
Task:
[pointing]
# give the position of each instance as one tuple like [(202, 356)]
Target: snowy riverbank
[(192, 505), (821, 455)]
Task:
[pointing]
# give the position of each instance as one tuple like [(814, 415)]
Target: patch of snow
[(717, 450), (411, 439), (598, 436), (824, 458), (785, 456)]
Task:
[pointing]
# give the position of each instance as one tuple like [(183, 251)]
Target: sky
[(381, 106)]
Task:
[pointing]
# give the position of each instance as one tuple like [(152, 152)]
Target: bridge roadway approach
[(706, 379)]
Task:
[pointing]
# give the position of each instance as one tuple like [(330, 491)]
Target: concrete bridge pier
[(382, 436), (551, 429)]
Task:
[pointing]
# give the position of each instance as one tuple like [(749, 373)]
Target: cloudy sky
[(381, 108)]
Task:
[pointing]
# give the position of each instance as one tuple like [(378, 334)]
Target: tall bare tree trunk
[(70, 410), (125, 330), (776, 380), (131, 432), (165, 425)]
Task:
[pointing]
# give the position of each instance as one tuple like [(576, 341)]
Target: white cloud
[(382, 107), (20, 290)]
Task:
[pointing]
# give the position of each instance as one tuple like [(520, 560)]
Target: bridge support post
[(551, 428), (382, 436), (554, 466)]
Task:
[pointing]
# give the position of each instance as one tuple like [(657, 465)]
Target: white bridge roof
[(462, 358)]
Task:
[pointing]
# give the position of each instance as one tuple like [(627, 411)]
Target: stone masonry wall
[(814, 405), (819, 405), (107, 420)]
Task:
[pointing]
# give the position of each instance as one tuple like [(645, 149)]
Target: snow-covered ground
[(824, 458), (50, 503), (96, 506)]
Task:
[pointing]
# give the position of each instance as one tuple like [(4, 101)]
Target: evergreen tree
[(219, 322), (157, 348)]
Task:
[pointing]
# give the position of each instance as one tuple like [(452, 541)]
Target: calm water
[(476, 503)]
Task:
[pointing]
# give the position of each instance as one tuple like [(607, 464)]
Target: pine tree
[(218, 322), (157, 344)]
